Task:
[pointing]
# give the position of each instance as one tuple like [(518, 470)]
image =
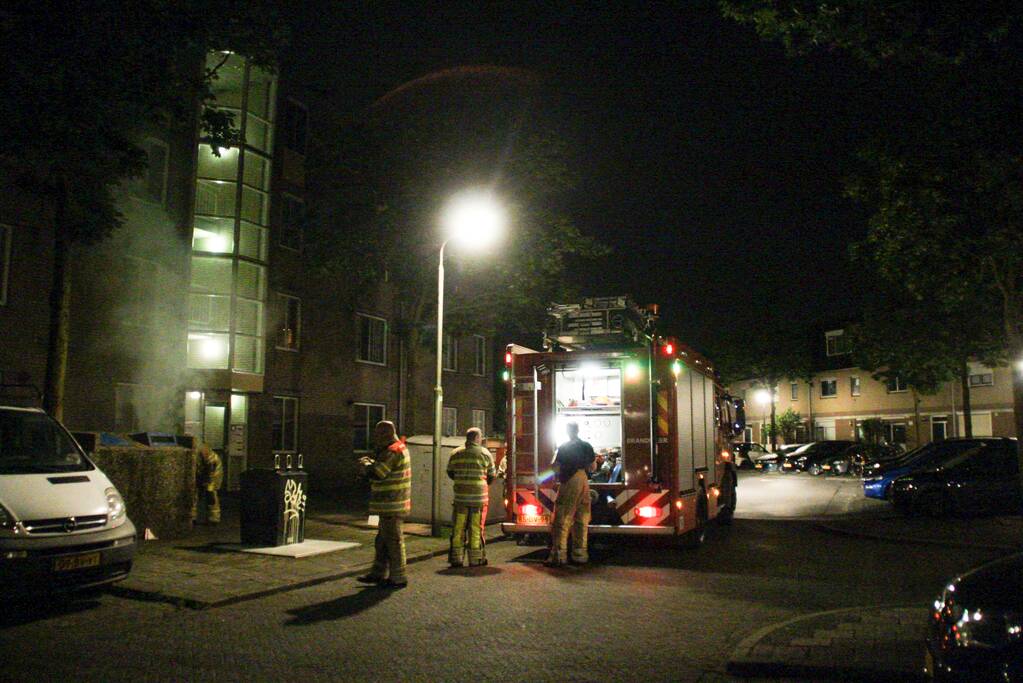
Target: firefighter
[(574, 459), (390, 475), (209, 475), (471, 468)]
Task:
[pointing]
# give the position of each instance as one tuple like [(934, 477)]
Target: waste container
[(273, 506)]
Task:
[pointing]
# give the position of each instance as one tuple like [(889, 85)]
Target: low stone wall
[(158, 485)]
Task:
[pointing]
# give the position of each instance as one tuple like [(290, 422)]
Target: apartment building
[(200, 314), (840, 397)]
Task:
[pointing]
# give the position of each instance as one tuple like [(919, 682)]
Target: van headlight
[(8, 524), (115, 507)]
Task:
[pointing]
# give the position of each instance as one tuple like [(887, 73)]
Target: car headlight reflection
[(116, 510), (983, 629)]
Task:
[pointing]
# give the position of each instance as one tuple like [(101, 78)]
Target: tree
[(75, 103), (381, 192), (943, 173), (788, 423)]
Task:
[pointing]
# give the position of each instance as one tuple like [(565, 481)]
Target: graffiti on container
[(294, 506)]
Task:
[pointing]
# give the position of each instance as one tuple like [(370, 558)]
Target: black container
[(273, 506)]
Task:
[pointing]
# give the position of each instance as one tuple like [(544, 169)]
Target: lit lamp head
[(763, 397), (474, 219)]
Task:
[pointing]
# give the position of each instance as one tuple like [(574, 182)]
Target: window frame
[(444, 420), (793, 391), (989, 383), (285, 228), (282, 303), (943, 421), (473, 412), (359, 316), (889, 432), (366, 405), (835, 335), (479, 359), (834, 382), (451, 349), (898, 382), (6, 246), (855, 385), (284, 401)]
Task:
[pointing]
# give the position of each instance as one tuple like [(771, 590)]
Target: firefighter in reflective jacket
[(209, 475), (390, 475), (574, 459), (471, 468)]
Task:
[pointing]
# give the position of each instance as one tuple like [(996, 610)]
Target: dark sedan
[(984, 478), (812, 458), (975, 631)]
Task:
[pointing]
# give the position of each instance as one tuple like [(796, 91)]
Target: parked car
[(878, 481), (813, 457), (975, 631), (787, 456), (749, 454), (62, 523), (980, 479), (866, 457)]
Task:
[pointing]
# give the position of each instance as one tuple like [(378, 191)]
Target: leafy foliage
[(788, 422)]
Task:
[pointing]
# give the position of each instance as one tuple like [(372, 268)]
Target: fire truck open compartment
[(589, 394)]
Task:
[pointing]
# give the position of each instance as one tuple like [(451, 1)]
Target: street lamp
[(472, 219)]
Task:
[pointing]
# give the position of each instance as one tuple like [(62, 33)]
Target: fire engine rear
[(651, 408)]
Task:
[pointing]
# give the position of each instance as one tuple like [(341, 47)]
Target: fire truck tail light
[(530, 510), (508, 358), (647, 512)]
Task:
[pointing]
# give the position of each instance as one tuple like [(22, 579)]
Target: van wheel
[(695, 538), (726, 511)]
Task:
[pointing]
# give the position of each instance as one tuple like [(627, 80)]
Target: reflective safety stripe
[(469, 468), (392, 494)]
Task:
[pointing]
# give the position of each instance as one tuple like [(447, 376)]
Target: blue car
[(877, 482)]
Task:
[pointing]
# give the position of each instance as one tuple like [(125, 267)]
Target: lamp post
[(473, 219)]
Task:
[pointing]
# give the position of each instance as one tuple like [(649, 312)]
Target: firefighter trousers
[(389, 562), (571, 514), (467, 525), (207, 501)]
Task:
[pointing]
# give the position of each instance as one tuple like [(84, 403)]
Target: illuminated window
[(449, 423), (854, 386), (479, 345), (372, 339), (364, 418), (829, 388), (285, 425), (837, 343), (450, 351), (289, 311)]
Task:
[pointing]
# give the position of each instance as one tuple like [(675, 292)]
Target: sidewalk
[(207, 570), (865, 643), (991, 533)]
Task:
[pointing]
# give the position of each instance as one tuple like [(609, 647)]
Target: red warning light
[(508, 358), (647, 512), (669, 349)]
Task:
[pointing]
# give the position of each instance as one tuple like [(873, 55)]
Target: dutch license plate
[(66, 564), (535, 520)]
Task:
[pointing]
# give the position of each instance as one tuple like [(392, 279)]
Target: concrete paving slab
[(306, 548)]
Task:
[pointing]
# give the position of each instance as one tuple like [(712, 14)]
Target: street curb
[(741, 664), (156, 596), (910, 539)]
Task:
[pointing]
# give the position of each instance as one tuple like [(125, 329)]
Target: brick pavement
[(865, 643), (203, 570)]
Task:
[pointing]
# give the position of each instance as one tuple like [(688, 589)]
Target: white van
[(62, 523)]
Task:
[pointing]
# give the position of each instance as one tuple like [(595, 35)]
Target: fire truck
[(657, 418)]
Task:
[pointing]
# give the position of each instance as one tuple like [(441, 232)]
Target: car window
[(992, 459), (759, 449), (34, 442)]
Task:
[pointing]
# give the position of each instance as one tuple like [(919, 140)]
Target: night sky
[(711, 162)]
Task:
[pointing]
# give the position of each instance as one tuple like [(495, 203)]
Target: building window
[(829, 388), (151, 185), (895, 432), (854, 386), (479, 419), (794, 391), (450, 351), (837, 343), (479, 345), (364, 419), (372, 339), (896, 384), (294, 125), (6, 237), (981, 376), (292, 220), (939, 428), (290, 312), (449, 424), (285, 424)]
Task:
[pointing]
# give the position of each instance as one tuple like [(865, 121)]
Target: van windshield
[(34, 442)]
